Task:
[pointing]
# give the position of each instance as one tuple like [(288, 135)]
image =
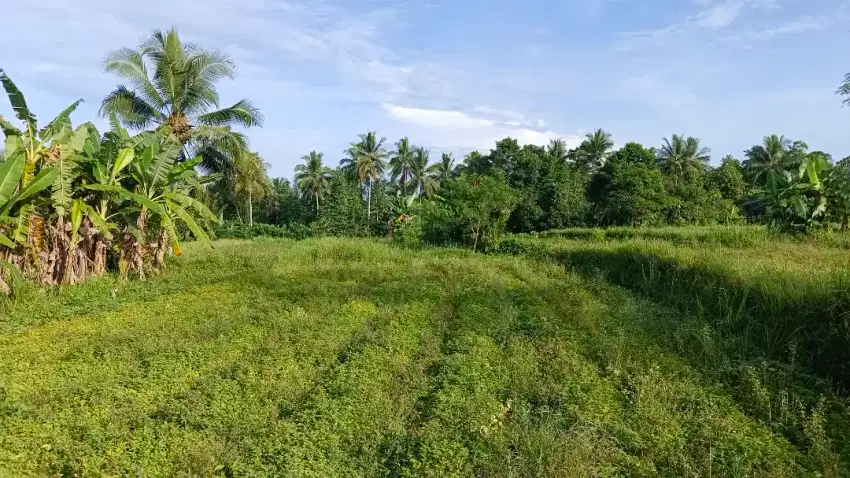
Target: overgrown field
[(331, 357)]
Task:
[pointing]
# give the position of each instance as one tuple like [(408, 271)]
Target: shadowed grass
[(769, 324)]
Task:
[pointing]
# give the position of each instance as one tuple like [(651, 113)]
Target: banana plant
[(14, 196), (161, 193), (797, 201), (37, 145), (15, 212)]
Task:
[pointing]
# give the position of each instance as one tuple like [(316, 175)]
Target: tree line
[(383, 189)]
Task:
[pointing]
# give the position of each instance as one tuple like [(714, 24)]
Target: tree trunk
[(369, 201), (250, 210), (161, 249), (404, 181), (99, 256), (4, 286), (317, 204)]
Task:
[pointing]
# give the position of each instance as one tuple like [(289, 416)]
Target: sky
[(458, 75)]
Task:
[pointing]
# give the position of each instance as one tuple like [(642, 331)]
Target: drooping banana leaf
[(22, 223), (63, 120), (42, 181), (16, 98), (10, 174), (188, 202), (62, 190), (193, 226), (104, 227)]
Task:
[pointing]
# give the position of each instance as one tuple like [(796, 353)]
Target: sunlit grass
[(332, 357)]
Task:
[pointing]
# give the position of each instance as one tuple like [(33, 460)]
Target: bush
[(241, 231)]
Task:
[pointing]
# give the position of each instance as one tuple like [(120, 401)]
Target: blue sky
[(458, 75)]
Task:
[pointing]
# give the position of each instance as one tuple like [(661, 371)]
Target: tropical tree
[(74, 190), (401, 161), (595, 149), (162, 197), (443, 170), (312, 177), (683, 157), (366, 159), (771, 155), (251, 180), (172, 85), (558, 151), (424, 184)]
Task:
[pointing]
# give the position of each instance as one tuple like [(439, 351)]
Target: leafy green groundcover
[(331, 357)]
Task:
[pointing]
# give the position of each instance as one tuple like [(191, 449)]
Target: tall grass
[(769, 323), (729, 236), (331, 357)]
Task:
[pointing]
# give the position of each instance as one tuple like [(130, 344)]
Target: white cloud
[(721, 14), (456, 130), (444, 120)]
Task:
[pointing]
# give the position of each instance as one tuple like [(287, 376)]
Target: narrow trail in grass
[(353, 358)]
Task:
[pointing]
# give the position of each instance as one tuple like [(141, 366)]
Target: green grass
[(728, 236), (331, 357)]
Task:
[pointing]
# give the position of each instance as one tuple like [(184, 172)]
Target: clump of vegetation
[(75, 202)]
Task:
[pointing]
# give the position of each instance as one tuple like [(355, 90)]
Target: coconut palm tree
[(312, 177), (424, 184), (683, 156), (444, 169), (400, 162), (366, 161), (595, 149), (771, 155), (172, 85), (251, 180), (558, 150)]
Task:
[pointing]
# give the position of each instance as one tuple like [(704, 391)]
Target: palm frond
[(129, 64), (130, 109), (242, 113)]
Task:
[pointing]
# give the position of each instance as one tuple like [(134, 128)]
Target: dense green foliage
[(780, 184), (332, 357), (74, 203)]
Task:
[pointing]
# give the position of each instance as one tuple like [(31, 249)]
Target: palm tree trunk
[(250, 210), (404, 181), (317, 204), (369, 201)]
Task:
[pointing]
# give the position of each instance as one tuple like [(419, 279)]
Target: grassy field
[(332, 357)]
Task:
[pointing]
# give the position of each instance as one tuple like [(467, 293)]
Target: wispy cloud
[(711, 15), (457, 130)]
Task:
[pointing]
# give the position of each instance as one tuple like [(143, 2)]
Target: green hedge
[(241, 231)]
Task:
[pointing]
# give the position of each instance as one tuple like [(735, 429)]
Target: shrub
[(241, 231)]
